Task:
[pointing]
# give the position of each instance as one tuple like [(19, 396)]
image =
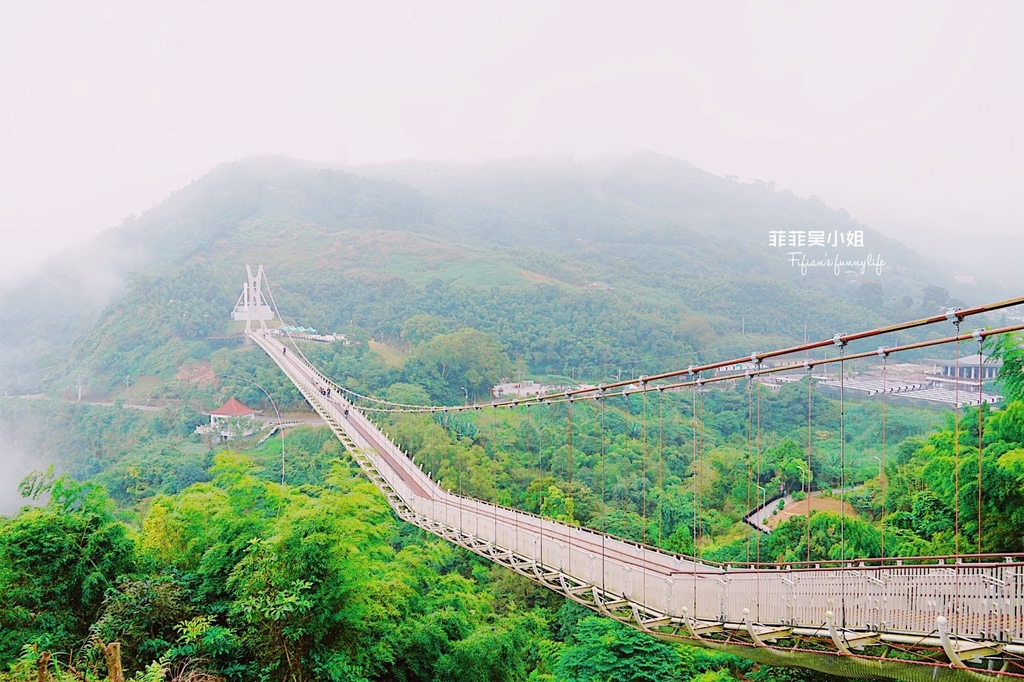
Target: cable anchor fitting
[(838, 340)]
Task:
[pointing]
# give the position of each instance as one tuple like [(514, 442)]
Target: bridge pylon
[(252, 305)]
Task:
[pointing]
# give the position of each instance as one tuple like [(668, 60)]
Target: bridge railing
[(978, 600), (381, 442), (980, 597), (982, 600)]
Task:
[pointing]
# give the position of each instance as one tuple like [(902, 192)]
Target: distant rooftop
[(232, 408)]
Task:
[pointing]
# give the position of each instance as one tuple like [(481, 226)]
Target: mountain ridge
[(659, 235)]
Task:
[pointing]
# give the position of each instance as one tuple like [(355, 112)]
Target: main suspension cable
[(590, 393)]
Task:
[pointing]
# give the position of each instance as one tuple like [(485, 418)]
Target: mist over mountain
[(690, 262)]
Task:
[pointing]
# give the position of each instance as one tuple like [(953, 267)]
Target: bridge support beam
[(698, 630), (958, 650), (843, 642), (763, 635)]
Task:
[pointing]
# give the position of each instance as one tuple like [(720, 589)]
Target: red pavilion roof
[(232, 408)]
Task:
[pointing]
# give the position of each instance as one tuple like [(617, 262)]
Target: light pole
[(280, 430), (466, 394), (804, 473)]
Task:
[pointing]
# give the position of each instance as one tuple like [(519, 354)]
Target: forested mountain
[(572, 267), (277, 561)]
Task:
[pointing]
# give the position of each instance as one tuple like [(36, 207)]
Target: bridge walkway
[(965, 611)]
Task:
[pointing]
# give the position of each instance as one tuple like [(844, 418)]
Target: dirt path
[(807, 505)]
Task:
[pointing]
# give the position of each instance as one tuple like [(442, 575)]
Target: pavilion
[(231, 420)]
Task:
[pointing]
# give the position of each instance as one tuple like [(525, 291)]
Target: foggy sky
[(906, 114)]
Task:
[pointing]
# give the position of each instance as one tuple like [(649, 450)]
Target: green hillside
[(573, 268)]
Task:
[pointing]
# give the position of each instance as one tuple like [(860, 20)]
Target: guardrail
[(978, 597)]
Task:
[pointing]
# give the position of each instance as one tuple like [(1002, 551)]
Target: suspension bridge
[(930, 618)]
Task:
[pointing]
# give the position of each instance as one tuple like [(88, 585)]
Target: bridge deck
[(955, 605)]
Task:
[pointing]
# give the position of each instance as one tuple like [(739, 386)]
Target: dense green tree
[(422, 327), (1010, 349), (602, 649), (449, 363), (828, 532), (496, 653), (56, 564), (407, 394), (144, 615)]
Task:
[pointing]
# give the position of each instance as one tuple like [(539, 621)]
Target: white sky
[(907, 114)]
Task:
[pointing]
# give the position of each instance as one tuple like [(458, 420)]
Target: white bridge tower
[(252, 306)]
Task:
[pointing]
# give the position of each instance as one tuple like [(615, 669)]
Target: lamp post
[(466, 394), (805, 478), (276, 411)]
